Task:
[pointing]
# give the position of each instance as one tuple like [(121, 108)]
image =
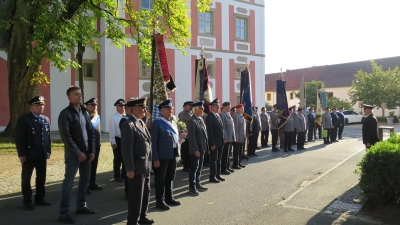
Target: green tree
[(380, 87), (43, 29), (311, 92), (337, 102)]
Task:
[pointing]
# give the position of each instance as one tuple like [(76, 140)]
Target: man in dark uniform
[(34, 148), (311, 125), (215, 133), (136, 153), (91, 106), (274, 118), (197, 135), (184, 116), (341, 126), (255, 132), (335, 125), (369, 127), (165, 151)]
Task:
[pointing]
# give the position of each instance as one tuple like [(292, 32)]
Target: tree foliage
[(44, 29), (311, 92), (379, 87), (337, 102)]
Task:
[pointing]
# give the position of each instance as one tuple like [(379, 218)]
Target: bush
[(381, 119), (379, 171)]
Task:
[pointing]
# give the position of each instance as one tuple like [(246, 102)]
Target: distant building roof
[(338, 75)]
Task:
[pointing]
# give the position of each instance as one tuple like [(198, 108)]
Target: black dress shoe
[(250, 155), (236, 167), (162, 206), (241, 165), (95, 187), (85, 210), (245, 157), (193, 191), (66, 219), (42, 202), (220, 178), (257, 147), (230, 170), (28, 206), (172, 202), (255, 154), (267, 146), (225, 172), (303, 148), (286, 151), (214, 180), (206, 164), (201, 188), (145, 220)]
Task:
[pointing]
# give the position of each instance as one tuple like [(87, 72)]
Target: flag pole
[(153, 56)]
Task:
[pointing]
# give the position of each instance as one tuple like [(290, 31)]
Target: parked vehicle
[(352, 117)]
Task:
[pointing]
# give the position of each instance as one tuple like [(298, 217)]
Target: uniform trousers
[(164, 177), (334, 132), (310, 133), (274, 134), (264, 138), (300, 139), (288, 140), (195, 170), (27, 169), (253, 143), (237, 153), (319, 128), (215, 161), (294, 136), (326, 139), (93, 168), (225, 160), (118, 172), (185, 154), (138, 198), (340, 131)]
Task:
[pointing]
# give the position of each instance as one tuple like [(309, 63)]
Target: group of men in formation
[(141, 145)]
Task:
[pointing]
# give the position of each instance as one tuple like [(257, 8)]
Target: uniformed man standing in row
[(229, 138), (240, 131), (115, 139), (369, 127), (327, 125), (274, 127), (288, 130), (165, 152), (137, 156), (184, 116), (255, 132), (34, 148), (335, 125), (264, 128), (300, 126), (91, 106), (311, 124)]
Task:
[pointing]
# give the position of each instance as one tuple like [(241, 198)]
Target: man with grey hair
[(229, 138)]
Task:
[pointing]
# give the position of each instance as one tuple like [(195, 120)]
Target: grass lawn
[(7, 146)]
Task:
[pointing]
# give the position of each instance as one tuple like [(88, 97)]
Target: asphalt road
[(274, 188)]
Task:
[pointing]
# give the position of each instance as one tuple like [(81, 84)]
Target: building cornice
[(250, 3), (226, 51)]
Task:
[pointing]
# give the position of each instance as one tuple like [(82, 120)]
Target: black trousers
[(341, 131), (319, 128), (195, 170), (185, 154), (264, 138), (282, 139), (139, 195), (225, 161), (274, 134), (334, 132), (294, 137), (118, 172), (27, 168), (326, 139), (310, 133), (301, 136), (164, 177), (288, 140), (253, 143), (93, 168), (215, 161), (237, 153)]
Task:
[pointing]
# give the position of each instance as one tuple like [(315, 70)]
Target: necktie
[(219, 119), (203, 126)]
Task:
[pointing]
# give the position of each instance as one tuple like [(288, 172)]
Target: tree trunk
[(20, 89)]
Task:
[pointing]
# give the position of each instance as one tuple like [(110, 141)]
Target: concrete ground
[(315, 186)]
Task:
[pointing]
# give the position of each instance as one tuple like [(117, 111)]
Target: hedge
[(379, 171)]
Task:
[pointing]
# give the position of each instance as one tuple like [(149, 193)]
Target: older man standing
[(215, 133), (34, 148), (197, 134), (229, 137), (369, 127), (341, 125), (300, 125), (184, 116), (136, 153), (115, 139), (240, 131), (165, 151), (255, 132), (76, 131), (327, 125), (264, 128), (335, 125)]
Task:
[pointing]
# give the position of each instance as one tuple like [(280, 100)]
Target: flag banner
[(159, 90), (318, 110), (281, 103), (202, 82), (323, 100), (245, 94), (303, 95), (162, 56)]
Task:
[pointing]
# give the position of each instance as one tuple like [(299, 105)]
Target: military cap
[(198, 104), (327, 108), (37, 100), (254, 108), (215, 102), (233, 108), (262, 108), (239, 106), (310, 109), (92, 101), (119, 102), (300, 109), (137, 102), (166, 104), (368, 106), (341, 107), (187, 103), (294, 106), (334, 108), (226, 103)]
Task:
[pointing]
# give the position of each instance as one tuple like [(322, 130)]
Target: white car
[(352, 117)]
